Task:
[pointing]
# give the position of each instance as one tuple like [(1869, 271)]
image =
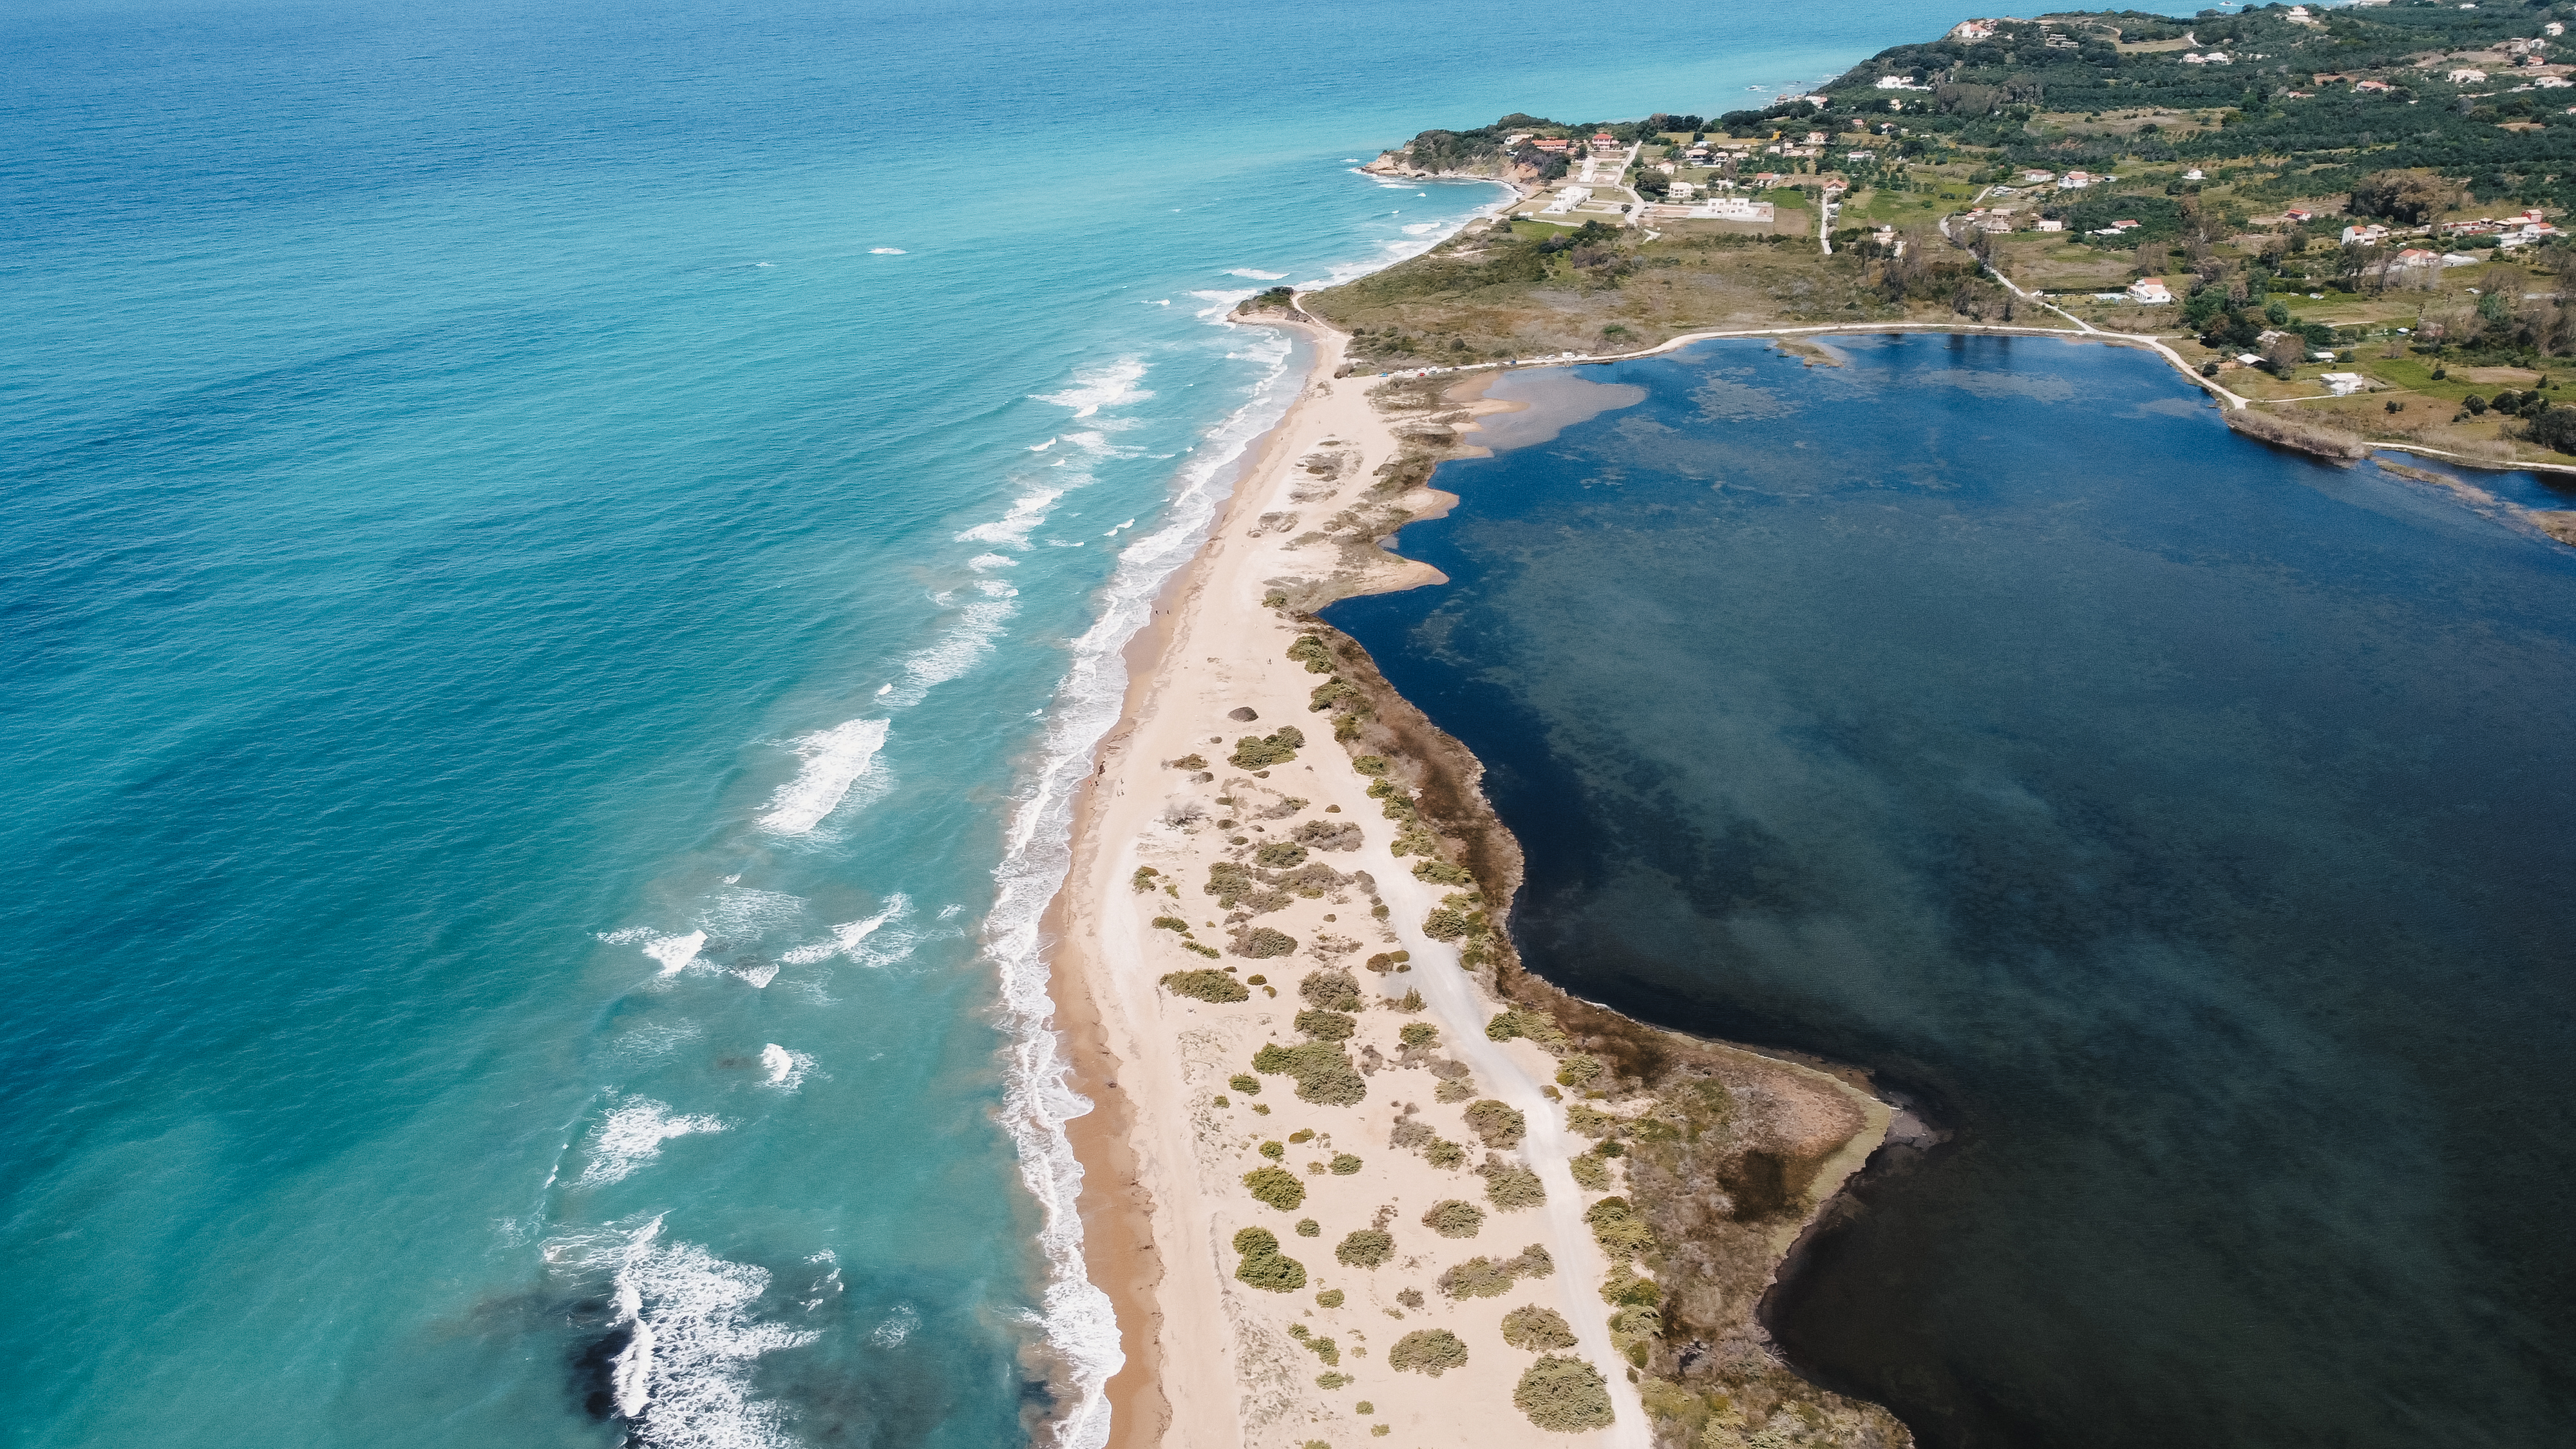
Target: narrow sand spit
[(1211, 1358)]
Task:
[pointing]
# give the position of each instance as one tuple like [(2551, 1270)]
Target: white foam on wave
[(850, 938), (886, 251), (632, 1136), (969, 639), (675, 952), (1077, 1317), (1012, 529), (992, 561), (834, 761), (683, 1381), (1422, 228), (897, 1327), (1256, 275), (1412, 244), (1107, 386), (785, 1069)]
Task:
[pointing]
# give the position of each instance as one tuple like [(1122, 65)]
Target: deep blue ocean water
[(2182, 826), (560, 561)]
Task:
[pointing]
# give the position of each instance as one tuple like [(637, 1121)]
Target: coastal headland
[(1353, 1173)]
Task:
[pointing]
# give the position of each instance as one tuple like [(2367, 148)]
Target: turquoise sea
[(559, 564)]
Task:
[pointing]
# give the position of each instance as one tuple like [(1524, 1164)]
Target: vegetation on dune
[(1263, 1266), (1260, 752), (1432, 1351), (1622, 1234), (1323, 1072), (1566, 1395), (1345, 1164), (1326, 1025), (1454, 1218), (1205, 985), (1419, 1035), (1496, 1124), (1332, 990), (1536, 1329), (1510, 1188), (1276, 1186), (1492, 1278), (1262, 943), (1365, 1248)]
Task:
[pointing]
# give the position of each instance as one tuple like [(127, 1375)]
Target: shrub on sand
[(1453, 1218), (1276, 1186), (1495, 1124), (1432, 1351), (1536, 1329), (1331, 990), (1263, 1266), (1205, 985), (1366, 1248), (1565, 1395)]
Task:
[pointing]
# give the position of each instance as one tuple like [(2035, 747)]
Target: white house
[(2465, 77), (2344, 384), (1732, 208), (2150, 292)]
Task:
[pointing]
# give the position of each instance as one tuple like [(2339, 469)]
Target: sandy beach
[(1428, 1188)]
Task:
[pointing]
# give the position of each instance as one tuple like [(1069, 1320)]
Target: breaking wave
[(683, 1379), (834, 761), (632, 1136), (1111, 385)]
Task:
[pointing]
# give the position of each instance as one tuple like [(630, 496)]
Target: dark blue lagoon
[(2183, 825)]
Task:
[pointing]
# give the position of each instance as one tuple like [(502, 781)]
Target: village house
[(2376, 86), (2465, 77), (2049, 224), (2150, 292)]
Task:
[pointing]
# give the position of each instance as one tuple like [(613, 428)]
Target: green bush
[(1344, 1164), (1143, 879), (1454, 1218), (1328, 1382), (1263, 1266), (1302, 1134), (1329, 693), (1191, 761), (1326, 1025), (1246, 1083), (1323, 1348), (1538, 1026), (1624, 1287), (1369, 764), (1206, 985), (1419, 1034), (1408, 1003), (1447, 923), (1510, 1189), (1578, 1070), (1329, 1298), (1171, 923), (1442, 1153), (1260, 752), (1591, 1121), (1281, 855), (1487, 1278), (1264, 943), (1432, 1351), (1309, 651), (1227, 881), (1196, 949), (1591, 1173), (1410, 1297), (1333, 990), (1616, 1226), (1275, 1151), (1536, 1329), (1565, 1395), (1366, 1248), (1309, 1228), (1276, 1186), (1324, 1074), (1440, 872), (1495, 1124)]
